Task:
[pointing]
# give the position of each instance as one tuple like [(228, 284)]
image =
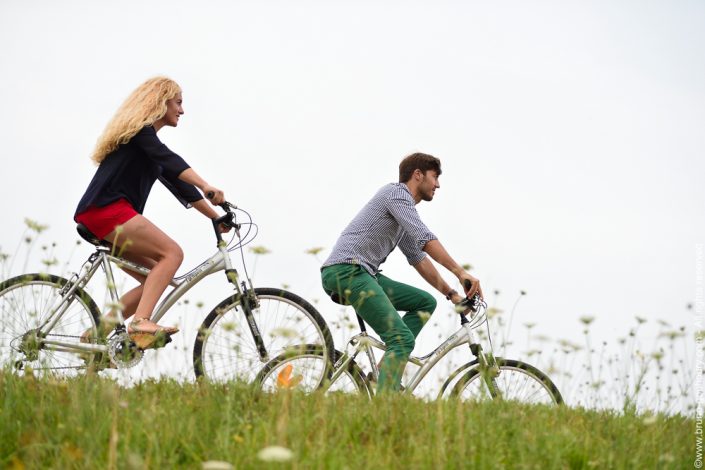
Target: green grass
[(90, 422)]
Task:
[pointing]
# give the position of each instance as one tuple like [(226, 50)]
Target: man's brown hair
[(418, 161)]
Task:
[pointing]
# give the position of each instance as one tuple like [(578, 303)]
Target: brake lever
[(472, 303), (225, 205)]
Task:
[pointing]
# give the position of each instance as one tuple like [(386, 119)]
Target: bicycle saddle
[(88, 236), (337, 299)]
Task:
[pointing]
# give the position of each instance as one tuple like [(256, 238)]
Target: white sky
[(571, 134)]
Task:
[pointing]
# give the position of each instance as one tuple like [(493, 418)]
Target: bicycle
[(49, 323), (485, 377)]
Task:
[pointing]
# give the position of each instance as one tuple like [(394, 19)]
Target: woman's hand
[(215, 195)]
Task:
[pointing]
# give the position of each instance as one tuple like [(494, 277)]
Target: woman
[(130, 159)]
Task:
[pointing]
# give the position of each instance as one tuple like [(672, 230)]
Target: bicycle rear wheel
[(25, 304), (225, 348), (306, 371), (517, 381)]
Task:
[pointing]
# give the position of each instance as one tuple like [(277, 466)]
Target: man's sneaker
[(372, 380)]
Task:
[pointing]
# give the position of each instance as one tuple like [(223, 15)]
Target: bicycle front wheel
[(226, 349), (517, 381), (305, 370), (26, 303)]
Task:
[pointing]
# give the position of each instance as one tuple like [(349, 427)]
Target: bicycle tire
[(311, 358), (517, 381), (23, 300), (225, 349)]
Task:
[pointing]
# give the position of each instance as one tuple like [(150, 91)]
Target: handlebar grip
[(471, 303), (225, 205)]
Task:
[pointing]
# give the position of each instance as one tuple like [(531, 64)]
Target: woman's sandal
[(150, 338)]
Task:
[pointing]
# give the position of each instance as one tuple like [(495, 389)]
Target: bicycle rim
[(225, 350), (306, 372), (517, 381), (25, 304)]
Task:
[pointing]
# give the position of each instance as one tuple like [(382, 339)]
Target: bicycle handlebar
[(472, 303), (228, 219)]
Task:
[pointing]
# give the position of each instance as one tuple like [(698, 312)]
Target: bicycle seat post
[(361, 322)]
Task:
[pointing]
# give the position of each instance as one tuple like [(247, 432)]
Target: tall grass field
[(630, 403), (91, 422)]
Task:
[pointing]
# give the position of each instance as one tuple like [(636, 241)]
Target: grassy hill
[(91, 422)]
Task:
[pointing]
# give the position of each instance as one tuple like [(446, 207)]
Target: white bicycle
[(51, 324), (485, 377)]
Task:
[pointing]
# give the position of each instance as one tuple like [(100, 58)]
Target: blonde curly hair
[(143, 107)]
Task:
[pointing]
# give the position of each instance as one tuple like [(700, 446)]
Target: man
[(351, 272)]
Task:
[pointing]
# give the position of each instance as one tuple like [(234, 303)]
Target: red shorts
[(101, 221)]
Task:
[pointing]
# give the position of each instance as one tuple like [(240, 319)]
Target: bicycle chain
[(62, 368)]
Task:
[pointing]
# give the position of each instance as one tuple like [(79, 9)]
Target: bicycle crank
[(123, 351)]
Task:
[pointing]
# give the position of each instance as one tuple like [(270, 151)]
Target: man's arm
[(435, 250), (429, 272)]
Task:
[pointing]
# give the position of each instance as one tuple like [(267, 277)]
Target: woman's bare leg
[(141, 238), (131, 298), (128, 301)]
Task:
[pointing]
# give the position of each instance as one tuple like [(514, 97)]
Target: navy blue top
[(130, 172)]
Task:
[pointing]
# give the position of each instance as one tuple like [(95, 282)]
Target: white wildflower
[(275, 454)]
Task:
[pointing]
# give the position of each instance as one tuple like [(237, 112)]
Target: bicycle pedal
[(150, 341)]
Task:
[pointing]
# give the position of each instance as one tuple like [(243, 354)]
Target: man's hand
[(470, 284), (456, 299)]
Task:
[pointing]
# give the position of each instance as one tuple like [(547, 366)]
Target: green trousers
[(378, 300)]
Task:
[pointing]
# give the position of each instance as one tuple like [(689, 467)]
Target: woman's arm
[(191, 177), (204, 208), (172, 164)]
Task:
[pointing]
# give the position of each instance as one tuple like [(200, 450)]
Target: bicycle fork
[(487, 365), (248, 302)]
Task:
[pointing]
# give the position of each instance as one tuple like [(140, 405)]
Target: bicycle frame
[(103, 258), (364, 342)]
